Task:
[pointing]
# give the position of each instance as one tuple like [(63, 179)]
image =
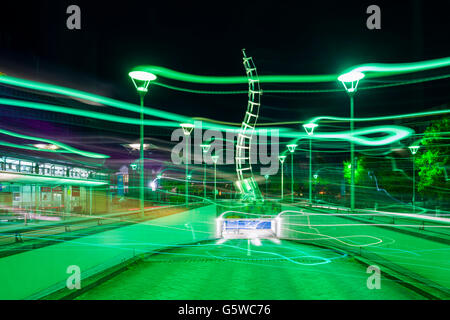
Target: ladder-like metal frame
[(246, 181)]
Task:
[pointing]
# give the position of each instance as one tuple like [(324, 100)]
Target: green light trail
[(56, 143), (180, 76), (401, 116), (400, 83), (393, 134), (199, 91), (109, 117), (28, 84), (17, 177), (380, 69), (398, 133), (85, 113), (391, 69), (115, 103)]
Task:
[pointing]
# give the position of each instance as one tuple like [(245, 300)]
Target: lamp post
[(309, 128), (215, 158), (160, 194), (315, 187), (205, 149), (134, 166), (141, 80), (352, 79), (291, 148), (187, 129), (267, 179), (414, 150), (282, 158)]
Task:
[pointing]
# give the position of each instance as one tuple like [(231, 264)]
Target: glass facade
[(42, 187)]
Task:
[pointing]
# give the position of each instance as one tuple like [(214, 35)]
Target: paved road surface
[(287, 270)]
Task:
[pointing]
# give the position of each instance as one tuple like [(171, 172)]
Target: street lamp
[(141, 80), (187, 129), (214, 159), (291, 148), (282, 158), (414, 150), (309, 128), (350, 82), (205, 149)]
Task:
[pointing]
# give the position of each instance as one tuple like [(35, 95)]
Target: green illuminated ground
[(272, 271)]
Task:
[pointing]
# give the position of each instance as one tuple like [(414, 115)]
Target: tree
[(360, 170), (432, 162)]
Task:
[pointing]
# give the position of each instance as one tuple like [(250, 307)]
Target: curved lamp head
[(215, 158), (205, 147), (291, 147), (141, 80), (351, 79), (187, 128), (414, 149), (282, 158), (309, 128)]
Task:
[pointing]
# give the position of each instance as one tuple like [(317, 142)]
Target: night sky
[(310, 37)]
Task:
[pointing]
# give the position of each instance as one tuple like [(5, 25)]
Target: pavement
[(238, 269)]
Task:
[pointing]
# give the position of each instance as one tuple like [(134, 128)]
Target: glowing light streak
[(53, 180), (381, 69), (401, 116), (28, 84), (390, 69), (341, 237), (180, 76), (50, 142), (287, 91), (394, 134)]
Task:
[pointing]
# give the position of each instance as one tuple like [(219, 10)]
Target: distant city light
[(46, 146), (137, 146)]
